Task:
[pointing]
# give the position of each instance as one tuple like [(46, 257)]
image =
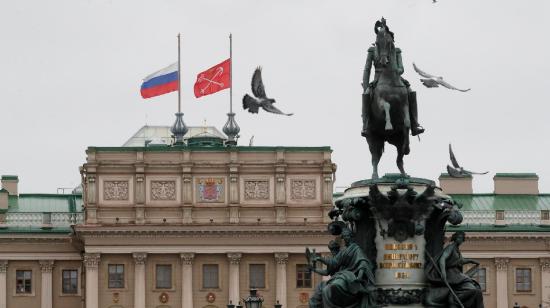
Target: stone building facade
[(197, 226)]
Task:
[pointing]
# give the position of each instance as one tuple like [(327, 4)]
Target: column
[(91, 262), (545, 279), (501, 265), (139, 279), (234, 261), (187, 279), (3, 283), (280, 294), (46, 299)]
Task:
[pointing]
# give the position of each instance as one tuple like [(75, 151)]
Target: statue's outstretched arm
[(322, 272), (366, 71), (443, 261)]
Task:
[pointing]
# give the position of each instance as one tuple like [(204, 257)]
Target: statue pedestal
[(396, 221)]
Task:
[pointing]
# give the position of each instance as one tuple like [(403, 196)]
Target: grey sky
[(71, 72)]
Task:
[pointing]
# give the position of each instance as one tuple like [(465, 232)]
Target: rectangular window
[(481, 278), (256, 273), (303, 276), (23, 283), (69, 281), (523, 280), (210, 276), (164, 276), (116, 276)]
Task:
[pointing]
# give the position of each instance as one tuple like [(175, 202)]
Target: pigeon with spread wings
[(432, 81), (253, 104), (456, 171)]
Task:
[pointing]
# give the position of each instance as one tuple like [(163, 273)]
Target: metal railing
[(53, 219), (512, 217)]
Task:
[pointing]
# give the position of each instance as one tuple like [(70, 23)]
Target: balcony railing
[(47, 219), (501, 217)]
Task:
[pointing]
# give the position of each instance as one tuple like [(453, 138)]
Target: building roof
[(43, 203), (161, 135), (494, 202)]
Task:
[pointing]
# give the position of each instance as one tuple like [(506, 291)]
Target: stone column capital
[(281, 258), (139, 257), (501, 264), (3, 266), (46, 266), (187, 258), (234, 257), (91, 260), (544, 264)]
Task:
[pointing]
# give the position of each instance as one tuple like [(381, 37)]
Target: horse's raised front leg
[(387, 113)]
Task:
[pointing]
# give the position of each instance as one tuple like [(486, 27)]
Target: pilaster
[(234, 262), (46, 294), (140, 197), (139, 279), (91, 206), (545, 279), (91, 262), (281, 258), (187, 279), (3, 283), (501, 265)]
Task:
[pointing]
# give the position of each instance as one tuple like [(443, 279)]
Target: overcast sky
[(71, 72)]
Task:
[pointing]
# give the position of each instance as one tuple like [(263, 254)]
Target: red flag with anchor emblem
[(213, 79)]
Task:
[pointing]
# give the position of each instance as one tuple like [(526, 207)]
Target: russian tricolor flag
[(161, 82)]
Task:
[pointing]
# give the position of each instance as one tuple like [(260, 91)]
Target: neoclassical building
[(197, 226)]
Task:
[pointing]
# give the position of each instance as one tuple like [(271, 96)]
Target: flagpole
[(179, 129), (231, 129)]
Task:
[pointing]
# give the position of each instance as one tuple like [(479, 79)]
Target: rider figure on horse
[(368, 88)]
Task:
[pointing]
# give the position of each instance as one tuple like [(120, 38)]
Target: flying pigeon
[(434, 81), (253, 104), (456, 171)]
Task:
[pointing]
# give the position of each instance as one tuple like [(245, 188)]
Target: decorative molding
[(256, 189), (163, 190), (302, 189), (91, 260), (544, 264), (281, 258), (501, 264), (234, 257), (187, 258), (46, 266), (3, 266), (116, 190), (139, 257)]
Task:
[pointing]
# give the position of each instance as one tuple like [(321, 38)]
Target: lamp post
[(516, 305), (230, 305), (253, 301), (278, 305)]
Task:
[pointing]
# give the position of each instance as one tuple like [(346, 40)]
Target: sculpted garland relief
[(302, 189), (115, 190), (256, 190), (163, 190)]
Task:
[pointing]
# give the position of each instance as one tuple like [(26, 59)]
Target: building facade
[(197, 226)]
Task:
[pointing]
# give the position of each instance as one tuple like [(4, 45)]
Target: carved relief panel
[(210, 190), (116, 190), (303, 189), (257, 189), (163, 190)]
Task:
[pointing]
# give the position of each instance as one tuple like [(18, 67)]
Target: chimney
[(456, 186), (516, 183), (3, 207), (9, 183)]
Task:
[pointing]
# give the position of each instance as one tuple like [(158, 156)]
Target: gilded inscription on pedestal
[(163, 190), (115, 190), (256, 189), (302, 189)]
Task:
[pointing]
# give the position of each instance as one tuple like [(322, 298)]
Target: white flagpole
[(230, 73), (179, 75)]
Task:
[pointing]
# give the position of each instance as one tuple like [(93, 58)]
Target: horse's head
[(384, 43)]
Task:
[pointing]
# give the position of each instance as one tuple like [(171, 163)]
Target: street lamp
[(230, 305), (516, 305), (253, 301), (278, 305)]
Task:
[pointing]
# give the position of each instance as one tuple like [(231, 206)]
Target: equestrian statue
[(389, 105)]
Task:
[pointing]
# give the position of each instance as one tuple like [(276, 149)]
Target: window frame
[(476, 277), (78, 273), (516, 282), (31, 293), (203, 287), (306, 272), (171, 278), (109, 276), (265, 286)]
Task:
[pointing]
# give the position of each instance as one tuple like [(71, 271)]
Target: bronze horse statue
[(387, 103)]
